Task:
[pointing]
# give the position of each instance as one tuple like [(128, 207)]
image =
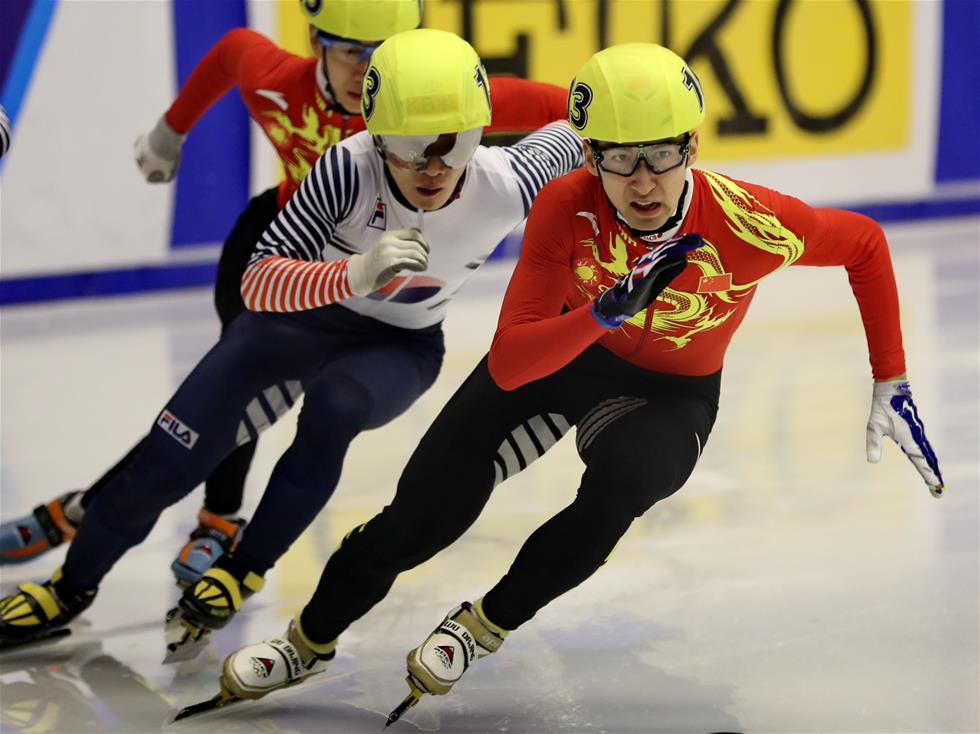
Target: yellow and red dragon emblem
[(680, 315)]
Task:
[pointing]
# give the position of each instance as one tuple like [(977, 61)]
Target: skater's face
[(429, 188), (645, 199), (344, 65)]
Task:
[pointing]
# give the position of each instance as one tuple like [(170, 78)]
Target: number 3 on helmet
[(634, 93)]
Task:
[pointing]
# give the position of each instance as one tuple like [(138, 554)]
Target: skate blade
[(226, 698), (414, 696), (223, 698), (184, 640), (51, 636)]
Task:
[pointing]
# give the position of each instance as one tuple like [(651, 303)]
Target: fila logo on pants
[(180, 432)]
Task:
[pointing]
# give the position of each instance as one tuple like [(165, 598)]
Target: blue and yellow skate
[(47, 527), (213, 537)]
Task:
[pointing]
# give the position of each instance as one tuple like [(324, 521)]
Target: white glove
[(400, 249), (893, 414), (158, 152)]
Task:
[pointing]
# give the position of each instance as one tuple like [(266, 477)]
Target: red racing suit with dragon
[(575, 247), (285, 94)]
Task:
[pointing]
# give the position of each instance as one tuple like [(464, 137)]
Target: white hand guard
[(893, 414), (158, 153), (400, 249)]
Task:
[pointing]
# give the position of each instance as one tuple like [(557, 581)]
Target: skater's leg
[(364, 388), (237, 250), (111, 474), (224, 488), (632, 461), (440, 494), (53, 523), (638, 450), (207, 416)]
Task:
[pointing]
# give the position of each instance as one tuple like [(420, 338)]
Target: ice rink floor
[(789, 587)]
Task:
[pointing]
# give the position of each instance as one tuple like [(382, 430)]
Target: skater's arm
[(542, 156), (239, 54), (534, 338), (219, 70), (287, 271), (833, 237), (520, 104)]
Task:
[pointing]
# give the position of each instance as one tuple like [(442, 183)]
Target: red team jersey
[(284, 96), (575, 248)]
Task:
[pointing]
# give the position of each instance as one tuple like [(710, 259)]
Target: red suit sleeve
[(837, 237), (534, 339), (219, 70), (520, 105)]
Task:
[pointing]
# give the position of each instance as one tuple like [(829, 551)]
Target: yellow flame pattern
[(679, 315), (300, 145)]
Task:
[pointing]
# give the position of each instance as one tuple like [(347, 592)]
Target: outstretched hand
[(893, 414)]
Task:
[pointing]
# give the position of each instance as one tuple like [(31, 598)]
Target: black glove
[(646, 280)]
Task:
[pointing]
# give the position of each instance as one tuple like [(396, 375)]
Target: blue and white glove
[(650, 274), (893, 414)]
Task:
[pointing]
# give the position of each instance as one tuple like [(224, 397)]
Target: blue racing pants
[(356, 372)]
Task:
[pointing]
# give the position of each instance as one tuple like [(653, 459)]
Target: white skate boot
[(464, 636), (257, 670)]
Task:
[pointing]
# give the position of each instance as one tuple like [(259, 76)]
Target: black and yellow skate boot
[(37, 611), (219, 594), (208, 605)]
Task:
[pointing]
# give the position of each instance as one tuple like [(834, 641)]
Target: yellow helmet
[(363, 20), (635, 92), (425, 82)]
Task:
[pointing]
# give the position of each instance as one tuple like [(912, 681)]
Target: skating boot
[(257, 670), (208, 605), (37, 612), (213, 537), (464, 636), (47, 527)]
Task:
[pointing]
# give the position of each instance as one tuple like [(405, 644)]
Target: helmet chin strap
[(322, 80), (323, 83), (672, 221)]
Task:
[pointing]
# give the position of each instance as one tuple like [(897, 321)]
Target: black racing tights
[(224, 488), (639, 433)]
